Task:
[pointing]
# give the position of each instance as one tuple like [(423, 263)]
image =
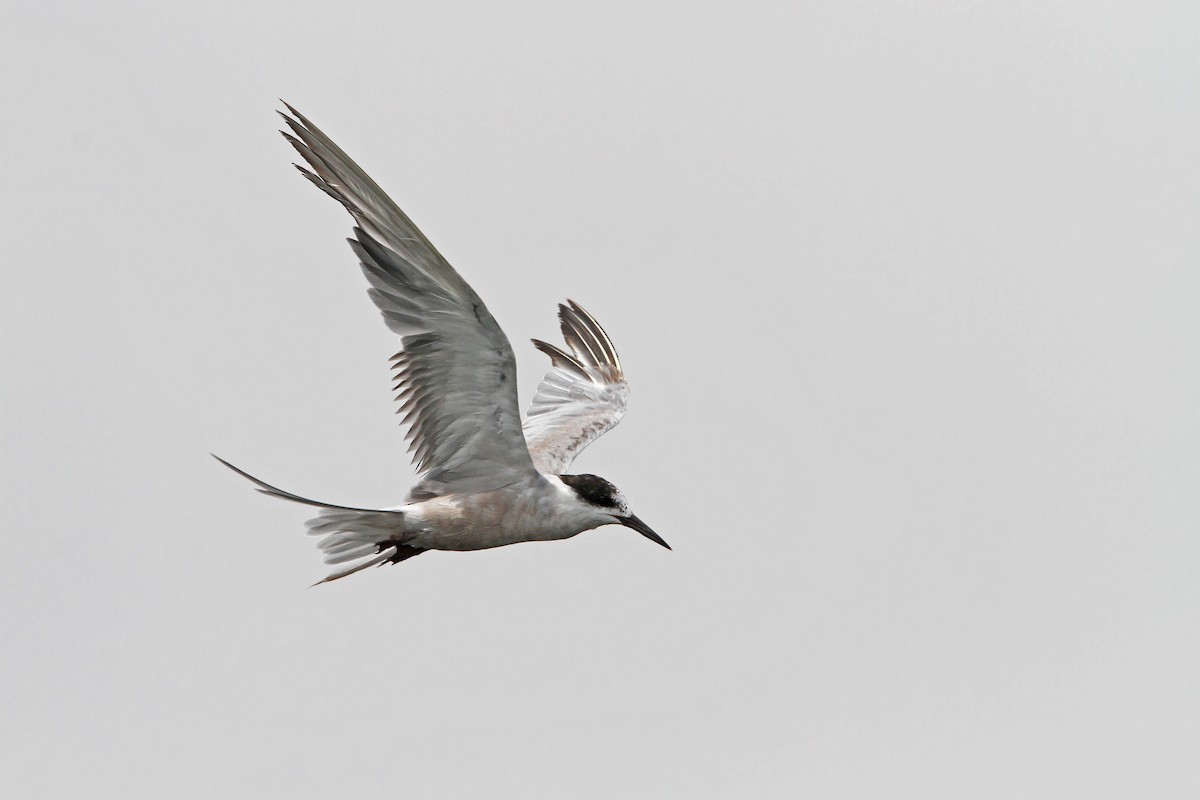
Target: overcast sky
[(908, 295)]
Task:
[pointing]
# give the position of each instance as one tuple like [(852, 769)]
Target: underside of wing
[(455, 372), (580, 398)]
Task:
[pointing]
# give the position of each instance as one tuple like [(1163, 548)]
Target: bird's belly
[(476, 524)]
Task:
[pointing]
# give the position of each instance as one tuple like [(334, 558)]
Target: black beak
[(633, 522)]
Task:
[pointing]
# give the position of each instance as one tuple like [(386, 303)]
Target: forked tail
[(350, 533)]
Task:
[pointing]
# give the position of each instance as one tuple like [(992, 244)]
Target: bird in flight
[(487, 479)]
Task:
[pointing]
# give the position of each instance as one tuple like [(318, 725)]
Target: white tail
[(350, 533)]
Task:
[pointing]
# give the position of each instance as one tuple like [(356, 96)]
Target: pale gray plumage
[(487, 479), (462, 415)]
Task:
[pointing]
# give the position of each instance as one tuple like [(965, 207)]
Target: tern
[(485, 478)]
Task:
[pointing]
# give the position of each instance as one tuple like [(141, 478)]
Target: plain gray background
[(907, 293)]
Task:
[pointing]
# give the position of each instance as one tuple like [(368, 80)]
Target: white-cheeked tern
[(487, 479)]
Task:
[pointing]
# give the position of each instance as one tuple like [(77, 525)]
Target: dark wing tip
[(292, 110), (586, 338), (561, 358)]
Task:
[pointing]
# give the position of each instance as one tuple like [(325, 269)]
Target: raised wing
[(582, 396), (456, 372)]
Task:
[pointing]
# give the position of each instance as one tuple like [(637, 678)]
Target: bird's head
[(609, 504)]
